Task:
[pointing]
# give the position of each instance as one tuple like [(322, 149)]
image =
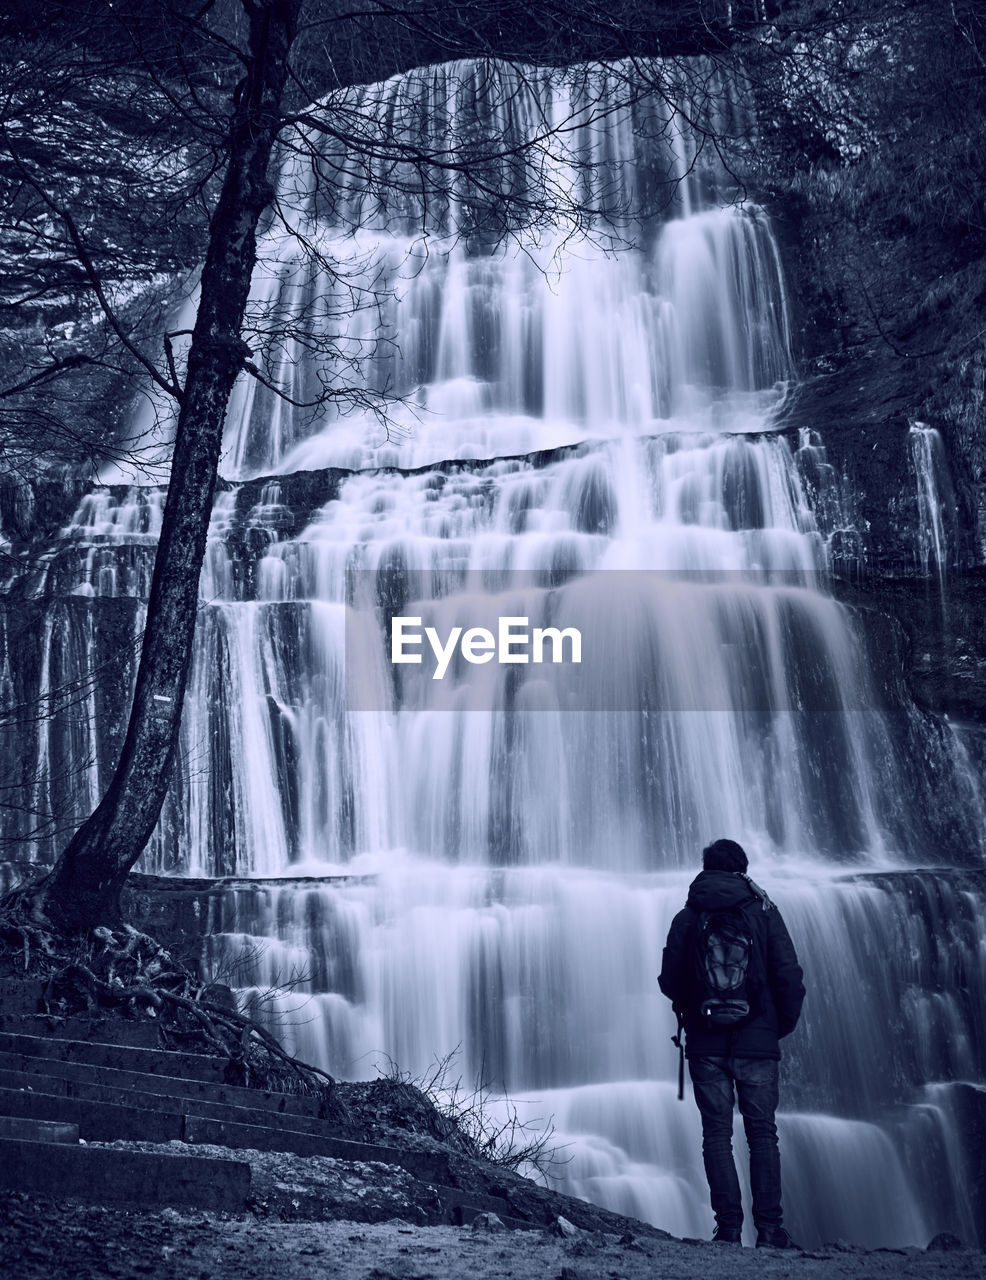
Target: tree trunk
[(84, 886)]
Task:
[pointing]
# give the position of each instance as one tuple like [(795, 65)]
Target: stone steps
[(154, 1093), (23, 1129), (103, 1092), (100, 1175), (128, 1057), (96, 1121), (111, 1102), (169, 1080), (21, 999), (108, 1122), (40, 1130)]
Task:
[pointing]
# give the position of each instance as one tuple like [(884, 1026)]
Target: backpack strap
[(677, 1041), (760, 894)]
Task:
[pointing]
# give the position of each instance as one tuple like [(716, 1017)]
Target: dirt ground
[(41, 1240)]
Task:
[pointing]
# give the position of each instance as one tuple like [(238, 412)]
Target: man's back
[(732, 975), (775, 973)]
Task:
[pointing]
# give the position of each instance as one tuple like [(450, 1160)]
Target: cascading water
[(936, 502), (585, 437)]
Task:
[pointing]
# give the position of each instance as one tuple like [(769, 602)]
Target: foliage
[(875, 137), (889, 110)]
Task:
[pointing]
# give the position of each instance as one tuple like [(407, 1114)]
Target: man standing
[(732, 975)]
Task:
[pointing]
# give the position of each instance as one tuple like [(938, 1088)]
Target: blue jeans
[(755, 1080)]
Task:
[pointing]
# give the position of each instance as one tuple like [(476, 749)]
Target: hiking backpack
[(724, 981), (723, 955)]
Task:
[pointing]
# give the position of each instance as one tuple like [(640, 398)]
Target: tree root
[(128, 972)]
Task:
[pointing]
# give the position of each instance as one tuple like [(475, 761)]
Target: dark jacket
[(778, 994)]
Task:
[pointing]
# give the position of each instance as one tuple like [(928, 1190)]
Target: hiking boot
[(727, 1235), (775, 1238)]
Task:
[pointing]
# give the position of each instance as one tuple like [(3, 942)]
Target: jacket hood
[(718, 891)]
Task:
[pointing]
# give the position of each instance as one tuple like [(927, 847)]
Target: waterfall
[(936, 502), (579, 424)]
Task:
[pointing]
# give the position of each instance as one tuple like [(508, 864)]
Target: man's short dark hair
[(724, 855)]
